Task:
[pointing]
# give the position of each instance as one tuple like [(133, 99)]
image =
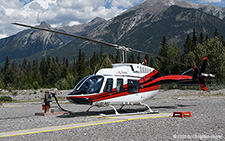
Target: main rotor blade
[(72, 35), (102, 42), (138, 51)]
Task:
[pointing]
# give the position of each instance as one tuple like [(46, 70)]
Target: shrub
[(5, 98)]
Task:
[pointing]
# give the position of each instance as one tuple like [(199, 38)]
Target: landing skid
[(128, 114), (149, 111)]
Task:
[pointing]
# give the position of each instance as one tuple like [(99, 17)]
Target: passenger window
[(108, 85), (133, 86), (119, 86)]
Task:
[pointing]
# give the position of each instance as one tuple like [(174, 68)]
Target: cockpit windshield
[(88, 85)]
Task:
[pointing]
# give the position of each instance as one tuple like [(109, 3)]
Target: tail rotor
[(201, 75)]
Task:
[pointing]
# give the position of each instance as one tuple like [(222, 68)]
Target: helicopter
[(125, 83)]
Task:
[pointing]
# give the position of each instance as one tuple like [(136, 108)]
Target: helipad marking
[(10, 106), (84, 124)]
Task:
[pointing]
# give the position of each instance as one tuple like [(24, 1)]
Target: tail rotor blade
[(195, 73), (202, 83), (203, 65)]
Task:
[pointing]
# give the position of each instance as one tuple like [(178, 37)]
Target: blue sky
[(220, 3), (59, 13)]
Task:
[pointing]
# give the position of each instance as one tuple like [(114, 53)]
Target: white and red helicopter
[(125, 83)]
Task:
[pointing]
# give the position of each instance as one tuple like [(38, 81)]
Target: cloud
[(210, 1), (57, 12)]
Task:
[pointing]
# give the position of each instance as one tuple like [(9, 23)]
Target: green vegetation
[(5, 98), (49, 72), (195, 49)]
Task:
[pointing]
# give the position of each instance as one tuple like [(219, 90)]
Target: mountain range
[(141, 27)]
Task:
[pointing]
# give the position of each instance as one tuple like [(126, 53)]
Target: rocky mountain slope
[(142, 27), (29, 42)]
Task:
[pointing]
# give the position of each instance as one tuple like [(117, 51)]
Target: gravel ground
[(207, 121)]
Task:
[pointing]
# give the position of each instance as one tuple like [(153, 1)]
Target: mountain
[(142, 27), (207, 8), (29, 42), (83, 28)]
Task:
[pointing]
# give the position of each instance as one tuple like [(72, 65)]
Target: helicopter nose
[(87, 101)]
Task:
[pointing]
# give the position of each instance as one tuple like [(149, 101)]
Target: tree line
[(195, 48), (50, 72)]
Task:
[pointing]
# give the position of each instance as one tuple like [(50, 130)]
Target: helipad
[(106, 120)]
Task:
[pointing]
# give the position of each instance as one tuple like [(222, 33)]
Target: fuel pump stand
[(46, 105)]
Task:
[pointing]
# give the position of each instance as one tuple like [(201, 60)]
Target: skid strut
[(90, 108), (116, 112), (150, 110)]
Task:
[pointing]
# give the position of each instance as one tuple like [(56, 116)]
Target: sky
[(59, 13)]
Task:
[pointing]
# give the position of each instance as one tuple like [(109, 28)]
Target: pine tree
[(81, 69), (151, 63), (106, 62), (131, 58), (138, 58), (194, 40), (201, 38), (74, 70), (23, 67), (101, 54), (15, 73), (53, 75), (222, 40), (111, 58), (162, 64), (147, 59), (187, 45), (28, 77), (43, 71), (216, 33), (8, 77), (94, 62), (36, 75), (174, 54), (117, 59), (6, 66), (64, 68)]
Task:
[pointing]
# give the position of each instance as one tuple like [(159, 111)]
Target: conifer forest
[(49, 72)]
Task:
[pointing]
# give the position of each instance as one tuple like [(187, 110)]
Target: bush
[(5, 98), (15, 93), (62, 84)]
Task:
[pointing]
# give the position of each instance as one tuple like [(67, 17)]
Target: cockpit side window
[(119, 85), (133, 86), (108, 85)]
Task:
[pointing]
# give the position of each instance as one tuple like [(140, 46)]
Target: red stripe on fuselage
[(107, 95), (172, 78), (148, 76), (114, 94), (144, 87)]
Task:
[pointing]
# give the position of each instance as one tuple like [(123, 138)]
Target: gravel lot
[(207, 121)]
